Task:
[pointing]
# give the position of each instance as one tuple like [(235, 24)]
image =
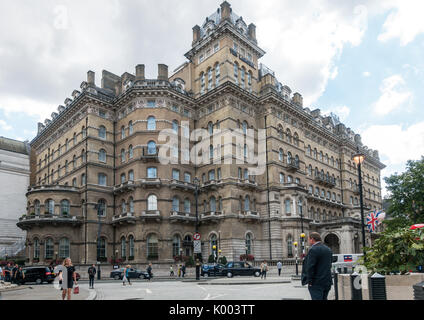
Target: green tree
[(398, 250), (407, 196)]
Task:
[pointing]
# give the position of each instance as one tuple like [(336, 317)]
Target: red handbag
[(76, 290)]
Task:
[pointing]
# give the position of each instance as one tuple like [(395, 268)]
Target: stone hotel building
[(98, 190)]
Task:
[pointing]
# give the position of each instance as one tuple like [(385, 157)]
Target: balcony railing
[(151, 215), (293, 166), (125, 186), (150, 182), (181, 216), (326, 181), (27, 221), (150, 154), (127, 217), (52, 188), (247, 183), (177, 184)]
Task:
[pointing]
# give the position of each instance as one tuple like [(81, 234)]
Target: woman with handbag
[(68, 280)]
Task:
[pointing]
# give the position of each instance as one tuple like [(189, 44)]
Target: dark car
[(212, 269), (240, 268), (38, 275), (133, 274)]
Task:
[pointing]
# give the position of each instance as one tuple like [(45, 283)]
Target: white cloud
[(394, 95), (396, 145), (404, 22), (366, 74), (5, 126)]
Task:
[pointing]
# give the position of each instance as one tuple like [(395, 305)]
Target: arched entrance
[(333, 242)]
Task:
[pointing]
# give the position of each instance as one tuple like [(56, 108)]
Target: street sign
[(196, 236), (197, 246)]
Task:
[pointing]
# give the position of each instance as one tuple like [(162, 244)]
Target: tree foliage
[(398, 250), (406, 190)]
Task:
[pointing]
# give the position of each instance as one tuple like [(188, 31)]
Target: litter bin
[(419, 291), (378, 287)]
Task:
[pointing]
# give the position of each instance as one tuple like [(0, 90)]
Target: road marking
[(214, 297), (148, 291)]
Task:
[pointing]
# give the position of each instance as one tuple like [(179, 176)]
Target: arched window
[(211, 174), (288, 136), (83, 156), (123, 248), (101, 208), (130, 152), (131, 175), (187, 205), (122, 132), (246, 203), (123, 207), (130, 128), (49, 206), (152, 247), (64, 248), (64, 208), (212, 204), (175, 204), (281, 155), (102, 155), (245, 151), (249, 80), (84, 132), (244, 126), (151, 123), (36, 248), (67, 145), (209, 78), (289, 157), (49, 248), (296, 161), (236, 73), (220, 207), (102, 132), (74, 161), (296, 139), (242, 77), (300, 207), (248, 243), (102, 179), (308, 150), (289, 246), (152, 203), (211, 152), (37, 207), (202, 83), (151, 147), (175, 126), (282, 178), (131, 247), (217, 74), (210, 128), (131, 202), (310, 170), (176, 245), (289, 179), (287, 205), (123, 155), (101, 248)]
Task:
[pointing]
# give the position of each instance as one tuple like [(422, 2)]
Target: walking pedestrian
[(14, 271), (171, 271), (183, 270), (127, 275), (179, 270), (317, 268), (279, 266), (69, 279), (149, 271), (20, 276), (91, 275), (1, 273), (7, 273), (264, 269), (198, 266)]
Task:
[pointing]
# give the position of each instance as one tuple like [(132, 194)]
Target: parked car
[(212, 269), (38, 275), (133, 274), (240, 268)]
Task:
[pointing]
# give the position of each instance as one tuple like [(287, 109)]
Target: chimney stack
[(139, 72), (91, 77), (225, 11), (252, 31), (162, 72), (297, 99), (196, 34)]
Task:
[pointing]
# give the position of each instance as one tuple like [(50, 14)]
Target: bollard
[(378, 287), (419, 291), (345, 270), (336, 285), (356, 290)]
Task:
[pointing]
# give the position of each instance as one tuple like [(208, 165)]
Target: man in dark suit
[(316, 270)]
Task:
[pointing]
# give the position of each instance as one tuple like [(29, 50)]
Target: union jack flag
[(372, 220)]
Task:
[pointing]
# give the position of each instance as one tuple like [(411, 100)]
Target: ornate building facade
[(99, 190)]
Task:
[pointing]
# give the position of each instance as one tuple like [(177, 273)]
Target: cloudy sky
[(362, 60)]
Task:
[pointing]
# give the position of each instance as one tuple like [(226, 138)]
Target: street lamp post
[(302, 236), (99, 209), (359, 159), (196, 196), (297, 262), (214, 252)]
